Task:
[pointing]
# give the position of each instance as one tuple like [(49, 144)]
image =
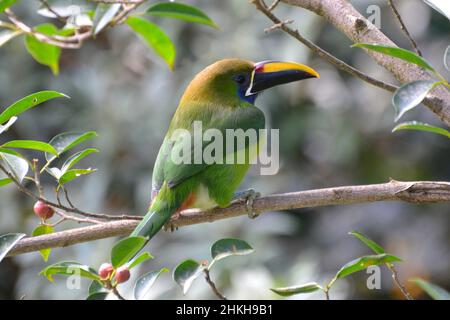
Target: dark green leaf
[(229, 247), (400, 53), (73, 174), (8, 35), (434, 291), (155, 38), (68, 140), (5, 4), (74, 159), (180, 11), (139, 259), (145, 282), (304, 288), (31, 144), (414, 125), (365, 262), (96, 287), (42, 230), (104, 13), (186, 272), (7, 242), (98, 296), (371, 244), (68, 269), (5, 181), (28, 102), (126, 249), (17, 165), (44, 53), (440, 6), (410, 95)]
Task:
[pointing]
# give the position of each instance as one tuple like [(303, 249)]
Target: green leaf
[(139, 259), (31, 144), (229, 247), (17, 165), (414, 125), (8, 35), (28, 102), (7, 242), (96, 287), (5, 4), (440, 6), (44, 53), (5, 181), (182, 12), (68, 140), (6, 126), (186, 272), (304, 288), (396, 52), (155, 38), (74, 159), (364, 262), (434, 291), (126, 249), (447, 58), (68, 268), (42, 230), (104, 13), (410, 95), (145, 282), (368, 242), (98, 296), (73, 174)]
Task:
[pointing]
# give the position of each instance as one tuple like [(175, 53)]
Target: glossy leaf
[(410, 95), (368, 242), (155, 38), (98, 296), (364, 262), (104, 13), (447, 58), (74, 159), (5, 4), (229, 247), (68, 269), (73, 174), (396, 52), (304, 288), (126, 249), (42, 52), (145, 282), (441, 6), (68, 140), (414, 125), (17, 165), (31, 144), (434, 291), (186, 272), (42, 230), (8, 35), (28, 102), (6, 126), (7, 242), (139, 259), (182, 12), (96, 287)]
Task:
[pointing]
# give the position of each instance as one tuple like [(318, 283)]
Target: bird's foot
[(170, 225), (249, 196)]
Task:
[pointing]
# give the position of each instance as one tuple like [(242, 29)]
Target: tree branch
[(414, 192), (343, 16)]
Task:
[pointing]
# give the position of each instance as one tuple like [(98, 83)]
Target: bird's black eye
[(240, 78)]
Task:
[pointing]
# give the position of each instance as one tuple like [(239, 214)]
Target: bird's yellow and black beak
[(267, 74)]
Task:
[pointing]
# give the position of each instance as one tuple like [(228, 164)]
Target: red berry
[(43, 210), (122, 274), (105, 271)]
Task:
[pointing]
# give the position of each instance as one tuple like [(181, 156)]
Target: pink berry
[(105, 270), (43, 210), (122, 274)]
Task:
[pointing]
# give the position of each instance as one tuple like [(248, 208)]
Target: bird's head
[(236, 81)]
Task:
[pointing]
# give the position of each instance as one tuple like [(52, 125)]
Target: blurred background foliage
[(333, 131)]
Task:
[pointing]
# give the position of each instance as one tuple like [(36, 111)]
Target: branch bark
[(344, 17), (415, 192)]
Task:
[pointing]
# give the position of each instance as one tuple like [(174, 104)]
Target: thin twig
[(273, 5), (403, 27), (118, 295), (396, 280), (278, 26), (50, 9), (37, 180), (213, 285)]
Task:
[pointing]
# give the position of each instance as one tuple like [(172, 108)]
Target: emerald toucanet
[(222, 96)]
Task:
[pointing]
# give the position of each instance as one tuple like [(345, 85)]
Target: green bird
[(221, 97)]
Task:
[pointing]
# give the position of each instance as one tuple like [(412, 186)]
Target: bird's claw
[(170, 226), (249, 196)]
